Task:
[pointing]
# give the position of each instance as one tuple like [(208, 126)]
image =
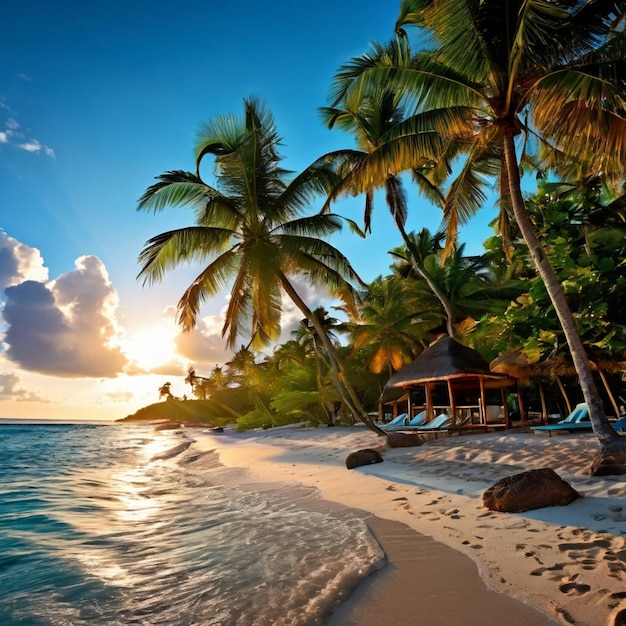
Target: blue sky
[(96, 99)]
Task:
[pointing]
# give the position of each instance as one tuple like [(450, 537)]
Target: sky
[(96, 99)]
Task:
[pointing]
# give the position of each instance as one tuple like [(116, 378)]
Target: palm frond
[(168, 250), (176, 188), (213, 279)]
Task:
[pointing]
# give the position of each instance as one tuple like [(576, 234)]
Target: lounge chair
[(406, 424), (619, 425), (419, 419), (437, 423), (578, 420), (400, 420)]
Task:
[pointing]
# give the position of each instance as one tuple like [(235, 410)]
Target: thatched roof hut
[(515, 363), (459, 368), (447, 358)]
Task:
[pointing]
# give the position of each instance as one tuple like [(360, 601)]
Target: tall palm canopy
[(552, 74), (248, 229), (251, 235)]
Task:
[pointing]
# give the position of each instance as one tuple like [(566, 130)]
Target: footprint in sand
[(616, 569), (564, 615), (619, 619), (554, 572), (574, 547), (574, 589), (615, 598)]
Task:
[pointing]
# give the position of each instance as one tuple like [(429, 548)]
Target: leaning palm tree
[(548, 72), (306, 336), (250, 233), (388, 144), (467, 282)]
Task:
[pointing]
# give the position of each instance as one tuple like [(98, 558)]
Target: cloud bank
[(66, 327)]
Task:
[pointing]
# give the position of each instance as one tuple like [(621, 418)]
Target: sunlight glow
[(151, 348)]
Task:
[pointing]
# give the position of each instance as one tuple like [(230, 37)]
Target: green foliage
[(589, 261), (204, 411)]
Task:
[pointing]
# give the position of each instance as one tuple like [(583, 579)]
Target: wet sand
[(450, 559)]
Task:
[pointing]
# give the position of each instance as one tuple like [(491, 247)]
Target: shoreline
[(427, 583), (567, 562)]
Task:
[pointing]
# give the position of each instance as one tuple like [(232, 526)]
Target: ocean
[(111, 524)]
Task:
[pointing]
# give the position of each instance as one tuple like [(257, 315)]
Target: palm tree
[(242, 366), (392, 325), (550, 72), (165, 390), (306, 335), (388, 144), (191, 378), (467, 282), (250, 232)]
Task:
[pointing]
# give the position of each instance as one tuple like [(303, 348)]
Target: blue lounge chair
[(578, 420), (419, 419), (437, 423), (406, 424), (619, 425), (400, 420)]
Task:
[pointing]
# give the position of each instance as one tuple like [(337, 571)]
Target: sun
[(151, 348)]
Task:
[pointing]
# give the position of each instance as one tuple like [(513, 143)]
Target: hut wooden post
[(429, 402), (483, 405), (520, 401), (505, 406), (559, 382), (544, 408), (452, 404), (608, 390)]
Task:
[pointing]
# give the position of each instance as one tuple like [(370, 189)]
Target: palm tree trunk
[(599, 422), (319, 381), (344, 388)]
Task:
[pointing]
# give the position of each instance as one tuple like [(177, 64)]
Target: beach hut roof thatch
[(516, 363), (445, 359)]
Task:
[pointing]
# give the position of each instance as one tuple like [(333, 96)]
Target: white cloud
[(19, 262), (35, 146), (204, 346), (314, 298), (119, 396), (13, 135), (11, 388), (66, 327)]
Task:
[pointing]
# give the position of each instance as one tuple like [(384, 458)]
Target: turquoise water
[(118, 524)]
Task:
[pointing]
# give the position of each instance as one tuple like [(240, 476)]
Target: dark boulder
[(609, 463), (404, 440), (534, 489), (367, 456)]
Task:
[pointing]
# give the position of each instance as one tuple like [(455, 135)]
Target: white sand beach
[(568, 562)]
